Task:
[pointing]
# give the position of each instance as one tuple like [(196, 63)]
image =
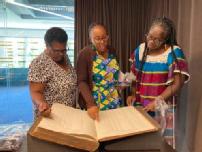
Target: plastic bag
[(161, 108), (126, 79), (12, 136)]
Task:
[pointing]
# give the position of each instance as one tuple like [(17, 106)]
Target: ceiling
[(42, 9)]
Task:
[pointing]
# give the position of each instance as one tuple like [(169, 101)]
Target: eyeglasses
[(157, 41), (99, 39), (59, 51)]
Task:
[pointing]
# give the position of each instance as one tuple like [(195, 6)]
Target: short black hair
[(55, 34)]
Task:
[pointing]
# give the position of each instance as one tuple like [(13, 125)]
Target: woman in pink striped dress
[(161, 70)]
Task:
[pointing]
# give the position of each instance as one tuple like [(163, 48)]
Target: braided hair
[(170, 39)]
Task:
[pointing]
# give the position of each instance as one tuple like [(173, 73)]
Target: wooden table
[(148, 142)]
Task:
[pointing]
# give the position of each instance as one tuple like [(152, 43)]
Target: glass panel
[(22, 27)]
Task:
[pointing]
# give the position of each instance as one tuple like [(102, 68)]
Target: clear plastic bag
[(161, 108), (126, 79), (12, 136)]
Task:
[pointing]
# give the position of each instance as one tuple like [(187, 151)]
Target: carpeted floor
[(16, 115), (15, 105)]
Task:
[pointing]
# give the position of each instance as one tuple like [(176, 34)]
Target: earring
[(165, 46)]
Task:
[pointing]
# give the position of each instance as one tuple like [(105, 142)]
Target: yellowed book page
[(122, 122), (68, 120)]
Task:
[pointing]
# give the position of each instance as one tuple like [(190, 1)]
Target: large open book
[(74, 128)]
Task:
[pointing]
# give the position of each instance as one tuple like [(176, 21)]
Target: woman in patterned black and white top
[(52, 78)]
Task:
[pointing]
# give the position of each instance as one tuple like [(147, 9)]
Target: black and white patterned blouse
[(60, 85)]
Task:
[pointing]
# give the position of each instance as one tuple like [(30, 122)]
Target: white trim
[(182, 72), (161, 58)]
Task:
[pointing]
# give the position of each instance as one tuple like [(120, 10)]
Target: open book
[(74, 128)]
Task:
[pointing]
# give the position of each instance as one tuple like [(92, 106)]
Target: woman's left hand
[(150, 106)]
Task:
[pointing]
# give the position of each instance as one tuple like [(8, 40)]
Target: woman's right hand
[(130, 100), (44, 109), (93, 112)]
